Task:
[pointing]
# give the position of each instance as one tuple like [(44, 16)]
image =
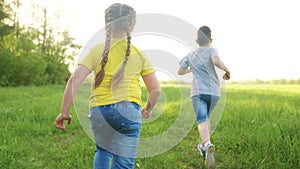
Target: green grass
[(259, 129)]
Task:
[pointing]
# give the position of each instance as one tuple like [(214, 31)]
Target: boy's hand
[(226, 76)]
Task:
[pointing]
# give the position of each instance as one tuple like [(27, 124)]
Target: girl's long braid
[(119, 75), (114, 12), (100, 75)]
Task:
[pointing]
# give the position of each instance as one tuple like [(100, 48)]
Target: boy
[(205, 91)]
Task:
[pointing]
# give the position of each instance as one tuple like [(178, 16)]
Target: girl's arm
[(153, 88), (72, 87)]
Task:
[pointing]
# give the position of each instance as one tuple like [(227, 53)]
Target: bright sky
[(255, 38)]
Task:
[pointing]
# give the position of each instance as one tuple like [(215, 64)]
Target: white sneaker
[(201, 150), (210, 157)]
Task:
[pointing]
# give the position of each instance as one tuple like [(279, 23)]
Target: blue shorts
[(203, 106)]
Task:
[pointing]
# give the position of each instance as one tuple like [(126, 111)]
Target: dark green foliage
[(4, 27), (29, 56)]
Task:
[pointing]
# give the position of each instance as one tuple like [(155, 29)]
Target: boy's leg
[(207, 103), (204, 132), (202, 109)]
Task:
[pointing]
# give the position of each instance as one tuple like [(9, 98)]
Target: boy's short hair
[(204, 35)]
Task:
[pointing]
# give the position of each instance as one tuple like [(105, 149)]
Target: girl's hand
[(59, 121), (145, 113), (226, 76)]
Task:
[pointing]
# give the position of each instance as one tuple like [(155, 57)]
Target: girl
[(205, 90), (115, 113)]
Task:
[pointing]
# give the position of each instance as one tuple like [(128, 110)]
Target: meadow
[(259, 129)]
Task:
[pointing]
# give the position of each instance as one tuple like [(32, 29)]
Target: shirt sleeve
[(214, 52), (185, 63), (147, 67), (92, 59)]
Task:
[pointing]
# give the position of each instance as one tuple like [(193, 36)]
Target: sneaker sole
[(210, 157)]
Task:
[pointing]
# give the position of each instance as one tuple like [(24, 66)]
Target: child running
[(205, 91), (115, 112)]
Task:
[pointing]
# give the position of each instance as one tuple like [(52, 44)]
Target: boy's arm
[(218, 62), (182, 71)]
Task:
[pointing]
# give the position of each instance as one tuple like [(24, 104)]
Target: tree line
[(36, 54)]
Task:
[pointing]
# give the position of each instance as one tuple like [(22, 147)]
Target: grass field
[(260, 128)]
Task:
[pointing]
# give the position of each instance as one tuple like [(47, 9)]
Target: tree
[(33, 54), (5, 29)]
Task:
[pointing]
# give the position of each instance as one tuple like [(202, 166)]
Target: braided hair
[(113, 13)]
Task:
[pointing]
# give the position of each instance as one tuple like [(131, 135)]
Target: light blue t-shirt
[(205, 79)]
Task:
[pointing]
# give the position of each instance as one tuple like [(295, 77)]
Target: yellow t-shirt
[(129, 88)]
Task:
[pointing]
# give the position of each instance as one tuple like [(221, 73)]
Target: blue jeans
[(203, 106), (116, 130)]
